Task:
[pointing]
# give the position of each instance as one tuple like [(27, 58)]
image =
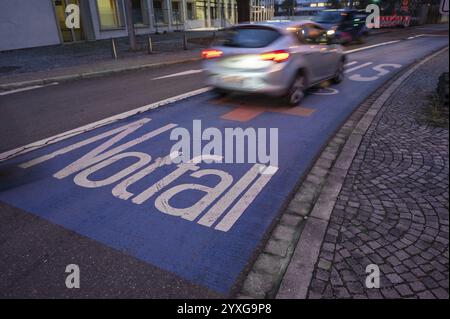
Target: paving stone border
[(285, 266)]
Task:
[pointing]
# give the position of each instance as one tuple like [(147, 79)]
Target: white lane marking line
[(28, 88), (21, 90), (178, 74), (358, 67), (372, 46), (431, 35), (350, 63), (59, 137)]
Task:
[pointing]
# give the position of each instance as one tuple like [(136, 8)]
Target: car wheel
[(339, 77), (219, 93), (297, 90)]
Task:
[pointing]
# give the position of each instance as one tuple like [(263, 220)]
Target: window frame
[(194, 11), (165, 14), (145, 16), (119, 15)]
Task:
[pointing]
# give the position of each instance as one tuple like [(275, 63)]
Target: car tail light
[(276, 56), (211, 54)]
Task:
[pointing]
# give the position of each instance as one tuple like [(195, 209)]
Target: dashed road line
[(178, 74), (28, 88), (350, 63)]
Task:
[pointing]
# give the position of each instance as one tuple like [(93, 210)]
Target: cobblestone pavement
[(393, 208)]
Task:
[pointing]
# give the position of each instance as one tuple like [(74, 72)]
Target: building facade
[(32, 23), (255, 10), (261, 10)]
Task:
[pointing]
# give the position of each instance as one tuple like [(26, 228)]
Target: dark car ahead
[(347, 24)]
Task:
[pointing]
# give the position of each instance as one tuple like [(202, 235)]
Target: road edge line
[(7, 155), (298, 276)]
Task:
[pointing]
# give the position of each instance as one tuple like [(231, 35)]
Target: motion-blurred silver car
[(278, 58)]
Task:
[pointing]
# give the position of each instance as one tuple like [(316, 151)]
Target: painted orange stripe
[(299, 111), (242, 114)]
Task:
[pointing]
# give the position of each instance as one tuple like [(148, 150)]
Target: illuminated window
[(109, 14)]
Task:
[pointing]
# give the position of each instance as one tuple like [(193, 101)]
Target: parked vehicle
[(348, 25), (274, 58)]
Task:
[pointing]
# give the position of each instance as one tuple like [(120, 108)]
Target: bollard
[(185, 44), (113, 49), (150, 46)]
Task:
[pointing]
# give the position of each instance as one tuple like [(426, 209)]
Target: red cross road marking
[(246, 111)]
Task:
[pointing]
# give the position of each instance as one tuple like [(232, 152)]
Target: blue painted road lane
[(200, 221)]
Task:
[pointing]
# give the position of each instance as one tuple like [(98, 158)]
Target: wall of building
[(27, 23), (33, 23)]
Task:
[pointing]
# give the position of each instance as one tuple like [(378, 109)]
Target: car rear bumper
[(247, 85), (274, 82)]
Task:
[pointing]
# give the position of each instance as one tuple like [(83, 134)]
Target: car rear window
[(250, 37)]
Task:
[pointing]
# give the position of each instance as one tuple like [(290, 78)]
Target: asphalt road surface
[(136, 225)]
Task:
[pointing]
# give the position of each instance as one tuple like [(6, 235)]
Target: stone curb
[(85, 75), (284, 268), (299, 273)]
